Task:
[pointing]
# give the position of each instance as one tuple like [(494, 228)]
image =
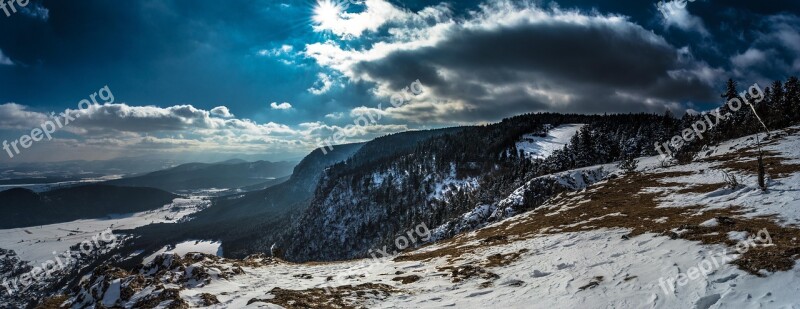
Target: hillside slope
[(361, 205), (662, 237)]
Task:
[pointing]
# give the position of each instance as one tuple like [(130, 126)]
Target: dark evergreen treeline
[(358, 206), (779, 108)]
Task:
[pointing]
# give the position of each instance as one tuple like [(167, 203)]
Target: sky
[(278, 78)]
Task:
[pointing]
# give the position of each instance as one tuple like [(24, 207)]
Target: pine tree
[(763, 107), (730, 90), (792, 99), (668, 115), (777, 114)]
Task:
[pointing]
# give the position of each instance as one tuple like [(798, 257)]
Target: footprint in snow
[(706, 302), (479, 293), (726, 279)]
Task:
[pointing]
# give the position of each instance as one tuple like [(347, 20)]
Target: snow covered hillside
[(541, 147), (666, 236)]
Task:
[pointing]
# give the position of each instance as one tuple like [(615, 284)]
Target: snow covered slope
[(663, 237), (184, 248), (538, 147)]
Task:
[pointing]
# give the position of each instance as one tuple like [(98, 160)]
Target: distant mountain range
[(223, 175), (23, 207), (83, 169)]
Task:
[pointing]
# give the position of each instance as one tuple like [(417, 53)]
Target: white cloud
[(323, 84), (221, 111), (104, 131), (335, 116), (280, 51), (675, 14), (785, 31), (749, 58), (16, 116), (282, 106), (775, 48)]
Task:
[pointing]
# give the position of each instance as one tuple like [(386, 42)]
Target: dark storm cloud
[(593, 63)]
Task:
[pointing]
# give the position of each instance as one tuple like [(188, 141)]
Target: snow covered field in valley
[(36, 244)]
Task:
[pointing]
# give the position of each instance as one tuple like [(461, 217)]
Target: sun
[(327, 13)]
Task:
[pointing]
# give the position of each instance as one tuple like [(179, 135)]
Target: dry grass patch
[(347, 296), (498, 260), (745, 159), (209, 299), (407, 279), (468, 271), (53, 302), (623, 203), (746, 162), (702, 188)]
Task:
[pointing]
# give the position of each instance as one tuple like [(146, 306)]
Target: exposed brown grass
[(702, 188), (623, 203), (407, 279), (347, 296), (745, 159), (498, 260), (468, 271), (746, 162), (209, 299), (53, 302)]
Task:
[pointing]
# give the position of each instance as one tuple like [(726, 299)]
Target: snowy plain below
[(36, 244)]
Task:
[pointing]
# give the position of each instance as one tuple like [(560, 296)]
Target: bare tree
[(762, 183)]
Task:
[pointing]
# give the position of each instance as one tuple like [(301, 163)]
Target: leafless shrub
[(731, 180)]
